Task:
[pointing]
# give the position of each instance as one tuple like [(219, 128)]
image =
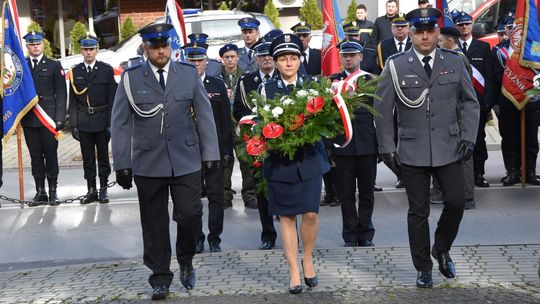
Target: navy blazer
[(388, 48), (309, 161), (313, 66)]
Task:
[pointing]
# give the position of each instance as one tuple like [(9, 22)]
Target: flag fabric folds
[(446, 20), (332, 34), (175, 16), (19, 93), (530, 55)]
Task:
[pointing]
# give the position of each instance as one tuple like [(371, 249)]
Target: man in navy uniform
[(250, 34), (479, 55), (92, 90), (356, 164), (243, 106), (213, 66), (427, 86), (311, 59), (156, 140), (213, 179), (50, 84)]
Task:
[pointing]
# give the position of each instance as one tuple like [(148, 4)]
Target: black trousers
[(90, 142), (417, 181), (329, 179), (356, 172), (480, 154), (510, 129), (42, 147), (153, 195), (213, 181), (268, 233)]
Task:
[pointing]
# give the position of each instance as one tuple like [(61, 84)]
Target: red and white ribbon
[(478, 80), (47, 121), (346, 85), (248, 120)]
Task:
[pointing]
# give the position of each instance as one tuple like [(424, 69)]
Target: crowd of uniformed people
[(174, 131)]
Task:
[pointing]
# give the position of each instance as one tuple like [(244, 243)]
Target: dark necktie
[(161, 78), (89, 69), (250, 54), (305, 59), (427, 67), (35, 61), (464, 47), (266, 77), (290, 87), (400, 49)]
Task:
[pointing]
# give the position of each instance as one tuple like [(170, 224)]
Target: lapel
[(392, 46), (41, 65), (415, 65), (93, 74), (408, 44), (438, 65), (150, 79)]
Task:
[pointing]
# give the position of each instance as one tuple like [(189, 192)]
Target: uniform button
[(432, 129), (167, 126), (168, 138), (432, 115), (166, 113)]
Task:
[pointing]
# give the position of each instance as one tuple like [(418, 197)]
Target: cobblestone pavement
[(486, 274)]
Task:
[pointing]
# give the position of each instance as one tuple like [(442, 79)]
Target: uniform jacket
[(364, 140), (309, 161), (313, 67), (213, 68), (388, 48), (99, 95), (382, 28), (366, 32), (479, 55), (244, 62), (217, 94), (169, 143), (427, 135), (369, 61), (247, 83), (51, 90)]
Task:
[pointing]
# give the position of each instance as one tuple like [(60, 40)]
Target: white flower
[(329, 90), (536, 81), (277, 111), (302, 93), (266, 108), (254, 109), (313, 93), (287, 101)]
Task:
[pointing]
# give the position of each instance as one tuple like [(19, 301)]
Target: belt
[(92, 110)]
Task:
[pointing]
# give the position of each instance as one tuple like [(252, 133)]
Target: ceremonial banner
[(19, 93), (332, 33), (175, 16), (446, 20), (530, 56), (517, 79)]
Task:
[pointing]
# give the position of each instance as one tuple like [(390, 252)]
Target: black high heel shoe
[(295, 289), (310, 282)]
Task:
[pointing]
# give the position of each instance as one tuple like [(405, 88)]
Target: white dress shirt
[(165, 69), (421, 56)]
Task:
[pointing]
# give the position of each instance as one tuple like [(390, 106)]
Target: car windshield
[(466, 6), (221, 31)]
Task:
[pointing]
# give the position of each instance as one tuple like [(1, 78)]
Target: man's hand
[(391, 160), (465, 149), (59, 126), (75, 134), (227, 160), (123, 178), (211, 165)]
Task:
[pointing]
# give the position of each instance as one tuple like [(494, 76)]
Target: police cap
[(33, 37), (156, 34), (501, 28), (399, 21), (463, 18), (262, 47), (195, 51), (249, 23), (423, 18), (197, 37), (350, 46), (228, 47), (89, 41), (301, 28), (286, 44)]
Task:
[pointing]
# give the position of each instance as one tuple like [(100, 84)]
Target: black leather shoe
[(103, 197), (267, 245), (424, 280), (295, 289), (214, 247), (533, 179), (511, 179), (199, 246), (187, 276), (470, 204), (446, 265), (310, 282), (91, 196), (40, 198), (335, 202), (251, 204), (365, 243), (480, 181), (227, 204), (350, 244), (377, 188), (160, 292), (399, 184)]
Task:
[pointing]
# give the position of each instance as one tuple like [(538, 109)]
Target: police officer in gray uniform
[(426, 85), (155, 139), (250, 35)]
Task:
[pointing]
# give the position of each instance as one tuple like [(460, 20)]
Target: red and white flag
[(330, 61)]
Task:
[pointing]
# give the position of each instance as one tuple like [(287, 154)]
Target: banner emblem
[(13, 71)]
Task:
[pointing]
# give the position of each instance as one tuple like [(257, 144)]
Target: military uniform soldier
[(92, 89), (50, 86), (250, 34), (155, 138), (427, 85), (213, 179)]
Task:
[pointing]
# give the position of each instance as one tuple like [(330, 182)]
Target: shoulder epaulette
[(216, 77), (186, 64), (396, 55), (104, 63), (449, 51)]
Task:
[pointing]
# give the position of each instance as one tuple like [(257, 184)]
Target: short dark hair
[(361, 6), (389, 1)]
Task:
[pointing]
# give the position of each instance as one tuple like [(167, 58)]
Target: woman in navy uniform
[(294, 186)]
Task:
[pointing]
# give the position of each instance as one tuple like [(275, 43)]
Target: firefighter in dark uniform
[(156, 142), (356, 164), (250, 34), (50, 86), (243, 106), (479, 55), (213, 180), (91, 95), (311, 58)]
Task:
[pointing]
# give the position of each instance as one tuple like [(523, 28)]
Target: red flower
[(314, 105), (297, 122), (255, 146), (272, 130), (246, 137), (257, 164)]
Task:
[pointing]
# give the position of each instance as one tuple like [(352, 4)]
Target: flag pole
[(20, 160), (522, 127)]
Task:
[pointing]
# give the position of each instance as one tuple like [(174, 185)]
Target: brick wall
[(141, 11)]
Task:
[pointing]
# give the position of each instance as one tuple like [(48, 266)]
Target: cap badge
[(287, 38), (424, 12)]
